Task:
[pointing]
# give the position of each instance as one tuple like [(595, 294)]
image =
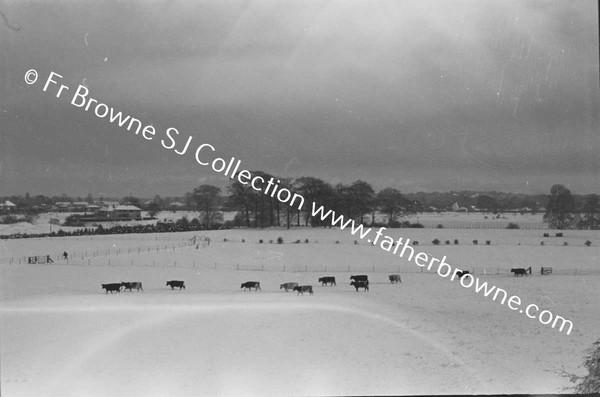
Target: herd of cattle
[(116, 287), (358, 281)]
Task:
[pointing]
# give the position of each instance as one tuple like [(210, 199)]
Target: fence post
[(109, 262)]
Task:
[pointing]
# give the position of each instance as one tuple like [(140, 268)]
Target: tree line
[(357, 200)]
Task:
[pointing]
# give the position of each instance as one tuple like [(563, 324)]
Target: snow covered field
[(63, 336)]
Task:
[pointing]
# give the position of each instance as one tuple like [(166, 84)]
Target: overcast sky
[(414, 94)]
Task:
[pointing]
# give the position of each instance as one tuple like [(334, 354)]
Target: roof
[(8, 204), (120, 208)]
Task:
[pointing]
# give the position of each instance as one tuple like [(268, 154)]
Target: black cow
[(360, 284), (462, 273), (288, 286), (303, 288), (251, 284), (521, 271), (112, 287), (175, 283), (133, 284), (327, 280), (395, 278), (361, 277)]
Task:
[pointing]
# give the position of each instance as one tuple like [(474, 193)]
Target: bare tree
[(391, 202), (207, 199), (559, 210)]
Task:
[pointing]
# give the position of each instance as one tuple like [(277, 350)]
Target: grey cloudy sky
[(412, 94)]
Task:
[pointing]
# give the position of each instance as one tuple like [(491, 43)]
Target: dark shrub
[(72, 220), (588, 243), (417, 226), (306, 241), (440, 226), (279, 240), (512, 225), (559, 234), (10, 219), (487, 242), (565, 243), (435, 242), (270, 241), (475, 242), (541, 243), (415, 242), (447, 242), (395, 224), (355, 242), (546, 234), (337, 242), (260, 241), (243, 240), (455, 241)]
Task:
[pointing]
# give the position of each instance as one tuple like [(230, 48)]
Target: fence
[(292, 268), (106, 253)]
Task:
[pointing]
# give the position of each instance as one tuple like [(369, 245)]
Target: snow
[(61, 335)]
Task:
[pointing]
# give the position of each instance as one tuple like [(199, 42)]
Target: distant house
[(80, 206), (63, 206), (120, 212), (176, 205), (7, 206), (457, 208)]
